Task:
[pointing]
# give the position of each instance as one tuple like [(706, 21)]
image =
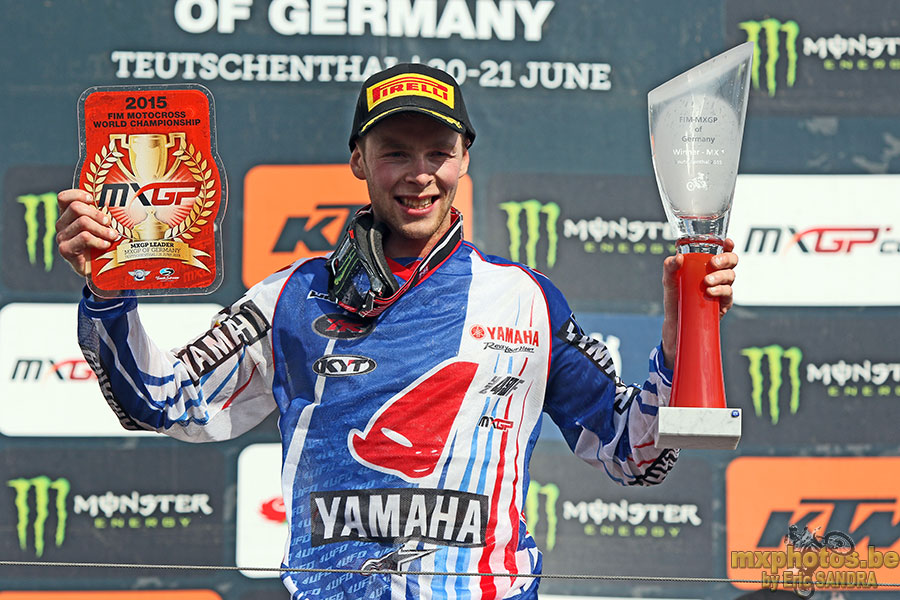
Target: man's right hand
[(80, 228)]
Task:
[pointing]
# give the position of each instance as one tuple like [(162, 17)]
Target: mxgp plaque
[(149, 161)]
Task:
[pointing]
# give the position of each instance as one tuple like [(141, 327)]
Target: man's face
[(412, 166)]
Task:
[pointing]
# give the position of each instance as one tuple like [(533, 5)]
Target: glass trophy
[(696, 128)]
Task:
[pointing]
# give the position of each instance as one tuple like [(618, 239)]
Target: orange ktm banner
[(114, 595), (299, 211), (838, 499)]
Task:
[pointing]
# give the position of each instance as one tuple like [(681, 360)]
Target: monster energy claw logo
[(774, 355), (32, 226), (772, 29), (533, 210), (550, 492), (42, 486)]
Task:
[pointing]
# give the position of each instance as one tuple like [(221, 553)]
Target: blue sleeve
[(608, 424), (215, 387)]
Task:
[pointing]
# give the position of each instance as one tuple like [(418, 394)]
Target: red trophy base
[(697, 416)]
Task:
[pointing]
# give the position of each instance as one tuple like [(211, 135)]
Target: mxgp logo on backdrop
[(293, 212), (776, 239), (36, 369), (805, 242)]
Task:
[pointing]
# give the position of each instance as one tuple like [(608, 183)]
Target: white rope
[(767, 583)]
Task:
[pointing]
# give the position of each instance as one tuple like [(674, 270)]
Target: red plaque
[(148, 158)]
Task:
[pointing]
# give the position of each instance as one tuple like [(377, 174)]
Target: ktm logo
[(293, 212), (854, 495)]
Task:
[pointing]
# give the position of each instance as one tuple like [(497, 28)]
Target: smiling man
[(409, 372)]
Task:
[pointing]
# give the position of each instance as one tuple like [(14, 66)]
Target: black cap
[(411, 87)]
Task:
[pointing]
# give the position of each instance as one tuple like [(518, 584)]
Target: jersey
[(406, 438)]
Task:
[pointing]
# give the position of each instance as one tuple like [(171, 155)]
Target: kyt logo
[(549, 493), (34, 204), (48, 497), (768, 34), (530, 212), (781, 363), (334, 365)]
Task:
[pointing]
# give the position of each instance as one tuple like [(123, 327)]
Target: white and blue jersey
[(406, 438)]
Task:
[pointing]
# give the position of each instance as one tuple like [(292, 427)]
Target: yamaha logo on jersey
[(336, 365), (232, 333), (338, 326), (509, 335), (389, 516)]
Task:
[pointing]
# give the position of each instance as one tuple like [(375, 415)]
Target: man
[(409, 371)]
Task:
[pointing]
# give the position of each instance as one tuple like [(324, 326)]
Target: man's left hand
[(718, 285)]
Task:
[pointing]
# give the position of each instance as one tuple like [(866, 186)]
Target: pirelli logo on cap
[(410, 85)]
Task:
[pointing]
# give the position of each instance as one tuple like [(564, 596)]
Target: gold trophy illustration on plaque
[(153, 170)]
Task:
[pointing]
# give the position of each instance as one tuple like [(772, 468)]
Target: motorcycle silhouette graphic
[(700, 182), (805, 540)]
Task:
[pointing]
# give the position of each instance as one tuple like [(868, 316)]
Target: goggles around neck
[(359, 277)]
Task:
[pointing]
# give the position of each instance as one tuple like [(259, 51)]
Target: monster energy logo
[(32, 226), (550, 492), (42, 486), (533, 210), (774, 355), (772, 29)]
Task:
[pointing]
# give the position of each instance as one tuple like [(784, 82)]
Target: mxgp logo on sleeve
[(293, 212)]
